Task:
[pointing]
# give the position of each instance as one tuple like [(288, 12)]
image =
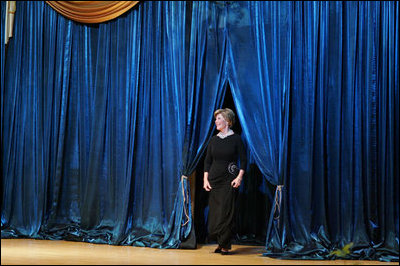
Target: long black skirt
[(221, 215)]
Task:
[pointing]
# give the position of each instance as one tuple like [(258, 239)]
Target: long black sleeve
[(208, 159), (242, 155)]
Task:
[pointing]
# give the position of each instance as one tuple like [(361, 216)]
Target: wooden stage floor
[(46, 252)]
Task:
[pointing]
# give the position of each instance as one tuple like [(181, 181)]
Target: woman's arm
[(207, 166), (206, 184), (243, 162), (238, 180)]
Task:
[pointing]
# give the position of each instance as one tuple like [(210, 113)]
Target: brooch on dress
[(233, 169)]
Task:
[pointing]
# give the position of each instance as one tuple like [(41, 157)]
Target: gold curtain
[(91, 11), (9, 21)]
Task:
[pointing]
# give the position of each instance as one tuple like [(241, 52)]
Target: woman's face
[(220, 122)]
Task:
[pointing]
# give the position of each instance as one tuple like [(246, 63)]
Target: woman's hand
[(236, 182), (206, 184)]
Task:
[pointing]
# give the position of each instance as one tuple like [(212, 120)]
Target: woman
[(222, 178)]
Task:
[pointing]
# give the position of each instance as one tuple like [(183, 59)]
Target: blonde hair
[(227, 114)]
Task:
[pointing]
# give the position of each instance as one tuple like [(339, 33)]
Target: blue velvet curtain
[(92, 140), (341, 190), (103, 123)]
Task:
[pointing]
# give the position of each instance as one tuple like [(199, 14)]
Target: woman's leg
[(214, 212), (227, 218)]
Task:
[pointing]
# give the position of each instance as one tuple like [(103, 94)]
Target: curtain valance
[(91, 11)]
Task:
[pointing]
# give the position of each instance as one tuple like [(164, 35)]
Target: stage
[(46, 252)]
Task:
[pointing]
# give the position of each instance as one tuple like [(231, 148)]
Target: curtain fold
[(203, 94), (336, 201), (91, 11), (261, 94)]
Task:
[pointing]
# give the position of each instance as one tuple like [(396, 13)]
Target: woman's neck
[(224, 130)]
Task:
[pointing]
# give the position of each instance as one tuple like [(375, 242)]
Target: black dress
[(222, 156)]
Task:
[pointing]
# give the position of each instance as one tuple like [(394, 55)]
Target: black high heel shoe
[(218, 250), (227, 252)]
